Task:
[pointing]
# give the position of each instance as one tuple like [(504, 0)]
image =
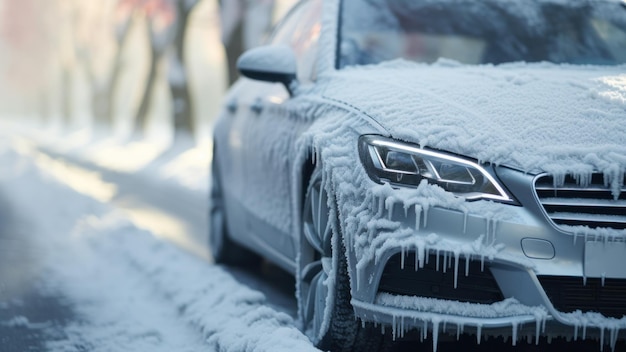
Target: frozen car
[(429, 167)]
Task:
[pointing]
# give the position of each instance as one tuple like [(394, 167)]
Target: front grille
[(478, 287), (573, 204), (569, 294)]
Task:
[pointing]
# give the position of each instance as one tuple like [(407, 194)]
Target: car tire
[(323, 284), (223, 249)]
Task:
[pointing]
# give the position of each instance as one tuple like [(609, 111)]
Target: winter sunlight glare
[(83, 181)]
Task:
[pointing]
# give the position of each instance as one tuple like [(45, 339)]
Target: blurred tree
[(178, 77), (26, 30), (159, 16), (121, 20), (89, 24), (167, 22), (244, 25)]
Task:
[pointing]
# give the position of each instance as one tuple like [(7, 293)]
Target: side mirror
[(271, 63)]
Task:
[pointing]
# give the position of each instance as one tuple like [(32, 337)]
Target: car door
[(271, 131)]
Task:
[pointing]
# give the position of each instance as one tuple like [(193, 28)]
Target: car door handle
[(231, 106), (257, 106)]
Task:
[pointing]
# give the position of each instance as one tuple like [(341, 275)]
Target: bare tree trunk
[(234, 48), (178, 77), (109, 94), (141, 118)]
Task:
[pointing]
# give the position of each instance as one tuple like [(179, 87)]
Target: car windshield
[(483, 32)]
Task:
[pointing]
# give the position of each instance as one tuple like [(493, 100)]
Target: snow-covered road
[(79, 273)]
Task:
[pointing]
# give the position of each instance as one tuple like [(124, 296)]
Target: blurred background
[(127, 69)]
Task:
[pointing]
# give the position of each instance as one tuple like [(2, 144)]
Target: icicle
[(437, 263), (418, 216), (575, 237), (601, 339), (482, 263), (538, 323), (402, 257), (514, 334), (584, 330), (393, 327), (445, 325), (425, 331), (458, 332), (420, 253), (603, 278), (425, 216), (445, 261), (417, 259), (479, 333), (456, 268), (614, 336), (435, 334), (468, 257), (584, 279), (575, 331)]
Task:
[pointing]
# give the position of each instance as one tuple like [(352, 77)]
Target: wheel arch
[(306, 168)]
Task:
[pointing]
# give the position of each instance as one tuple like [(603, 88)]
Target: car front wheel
[(323, 283)]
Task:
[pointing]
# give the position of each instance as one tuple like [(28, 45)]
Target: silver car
[(433, 168)]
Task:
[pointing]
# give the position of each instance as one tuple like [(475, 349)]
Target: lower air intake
[(478, 287)]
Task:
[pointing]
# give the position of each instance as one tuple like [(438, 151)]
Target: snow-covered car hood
[(533, 117)]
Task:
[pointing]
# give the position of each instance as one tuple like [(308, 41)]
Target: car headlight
[(406, 165)]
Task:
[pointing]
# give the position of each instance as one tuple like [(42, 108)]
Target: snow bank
[(231, 316)]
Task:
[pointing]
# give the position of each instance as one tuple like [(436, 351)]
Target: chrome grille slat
[(571, 204), (574, 188), (599, 203), (587, 217)]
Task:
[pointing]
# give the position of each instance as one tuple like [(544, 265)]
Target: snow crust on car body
[(560, 119)]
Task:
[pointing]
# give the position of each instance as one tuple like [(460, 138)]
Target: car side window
[(301, 31)]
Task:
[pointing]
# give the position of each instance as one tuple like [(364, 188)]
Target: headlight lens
[(402, 164)]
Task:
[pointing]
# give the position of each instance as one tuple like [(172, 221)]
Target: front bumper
[(521, 251)]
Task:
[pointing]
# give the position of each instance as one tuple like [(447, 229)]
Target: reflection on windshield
[(473, 32)]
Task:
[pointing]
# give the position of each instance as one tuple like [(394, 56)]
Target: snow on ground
[(129, 290), (183, 163)]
